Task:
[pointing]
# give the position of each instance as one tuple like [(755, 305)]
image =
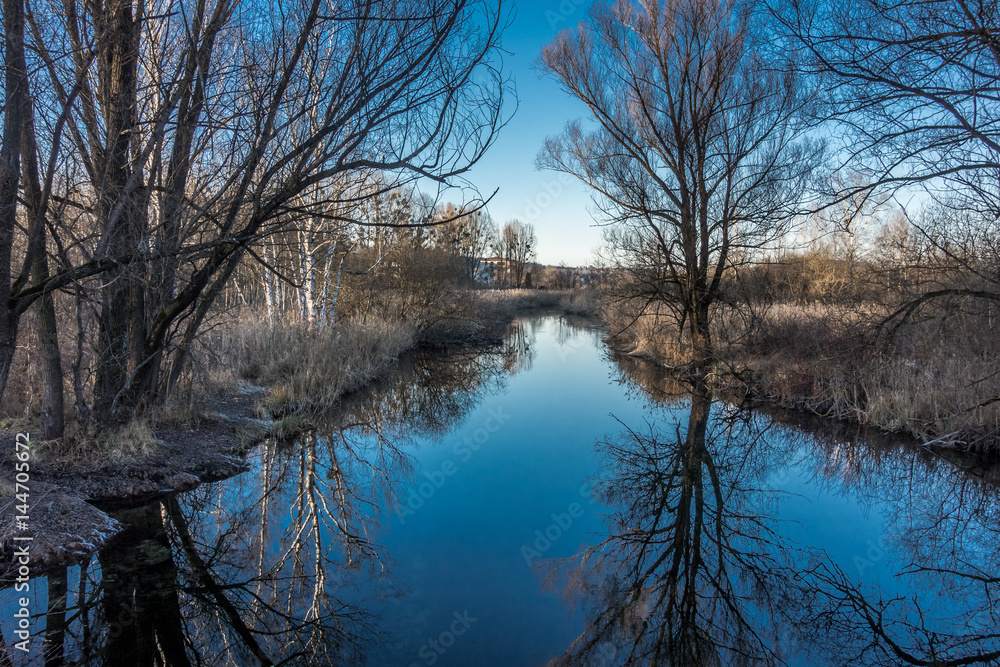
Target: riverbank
[(266, 382), (935, 381), (294, 361), (70, 493)]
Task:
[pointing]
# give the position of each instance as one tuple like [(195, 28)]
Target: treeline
[(801, 197), (397, 256)]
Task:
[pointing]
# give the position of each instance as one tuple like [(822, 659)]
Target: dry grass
[(938, 379), (582, 302), (309, 370), (289, 427), (648, 334), (942, 385), (133, 440), (513, 301), (478, 317), (129, 442), (22, 422), (179, 414)]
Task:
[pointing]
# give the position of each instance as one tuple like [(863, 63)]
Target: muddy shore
[(68, 501)]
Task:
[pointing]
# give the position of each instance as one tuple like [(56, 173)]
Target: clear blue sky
[(557, 205)]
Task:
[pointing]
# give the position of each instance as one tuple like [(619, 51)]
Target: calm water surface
[(537, 503)]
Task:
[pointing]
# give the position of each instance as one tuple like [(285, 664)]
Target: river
[(546, 502)]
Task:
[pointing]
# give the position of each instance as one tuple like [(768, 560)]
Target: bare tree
[(913, 91), (200, 128), (19, 167), (466, 235), (698, 154), (10, 169), (692, 568), (515, 245)]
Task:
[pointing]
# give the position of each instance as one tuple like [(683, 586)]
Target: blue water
[(445, 517)]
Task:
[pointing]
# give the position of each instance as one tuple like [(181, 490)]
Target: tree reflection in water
[(695, 571), (279, 565), (943, 526), (689, 574)]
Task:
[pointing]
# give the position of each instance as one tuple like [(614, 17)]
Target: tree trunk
[(122, 214), (701, 338), (52, 420), (52, 414), (324, 314), (269, 288), (10, 175), (336, 290), (307, 268), (76, 367)]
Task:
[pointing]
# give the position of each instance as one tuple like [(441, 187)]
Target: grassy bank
[(937, 379), (308, 370)]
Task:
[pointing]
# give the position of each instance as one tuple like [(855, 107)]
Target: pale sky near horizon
[(557, 205)]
